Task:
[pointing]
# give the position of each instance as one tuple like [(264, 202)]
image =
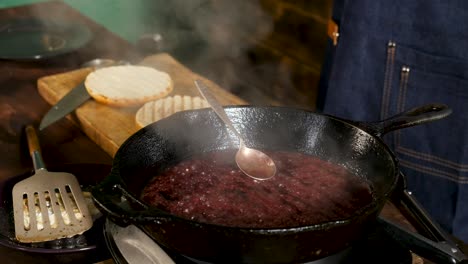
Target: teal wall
[(10, 3), (127, 18)]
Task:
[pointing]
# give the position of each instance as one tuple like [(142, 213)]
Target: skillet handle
[(437, 252), (415, 116), (122, 207), (440, 248)]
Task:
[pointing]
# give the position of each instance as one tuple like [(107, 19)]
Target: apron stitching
[(405, 71), (402, 89), (435, 172), (434, 159), (389, 65)]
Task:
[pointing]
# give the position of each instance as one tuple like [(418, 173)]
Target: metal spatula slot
[(51, 209), (48, 205)]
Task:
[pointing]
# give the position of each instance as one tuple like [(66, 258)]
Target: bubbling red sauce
[(211, 189)]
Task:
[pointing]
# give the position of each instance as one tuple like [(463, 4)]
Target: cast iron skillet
[(356, 146)]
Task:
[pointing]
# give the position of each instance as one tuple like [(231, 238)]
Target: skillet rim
[(374, 207)]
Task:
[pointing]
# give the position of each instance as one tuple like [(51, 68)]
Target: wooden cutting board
[(109, 126)]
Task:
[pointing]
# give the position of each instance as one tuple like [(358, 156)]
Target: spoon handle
[(216, 106)]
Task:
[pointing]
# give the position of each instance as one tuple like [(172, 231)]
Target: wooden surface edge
[(106, 143), (52, 88)]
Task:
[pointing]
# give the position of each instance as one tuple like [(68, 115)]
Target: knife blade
[(76, 97)]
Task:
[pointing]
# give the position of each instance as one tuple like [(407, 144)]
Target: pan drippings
[(211, 189)]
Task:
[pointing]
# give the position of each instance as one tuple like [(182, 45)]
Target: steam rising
[(213, 37)]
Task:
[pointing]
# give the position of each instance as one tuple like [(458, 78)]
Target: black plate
[(87, 175), (34, 39)]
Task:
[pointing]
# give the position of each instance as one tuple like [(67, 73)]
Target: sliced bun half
[(128, 85), (156, 110)]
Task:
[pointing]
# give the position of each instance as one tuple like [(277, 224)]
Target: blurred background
[(265, 51)]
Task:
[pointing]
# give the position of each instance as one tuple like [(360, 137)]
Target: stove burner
[(377, 247)]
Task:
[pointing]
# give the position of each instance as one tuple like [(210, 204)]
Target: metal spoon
[(252, 162)]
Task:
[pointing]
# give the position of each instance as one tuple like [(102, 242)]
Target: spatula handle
[(34, 148)]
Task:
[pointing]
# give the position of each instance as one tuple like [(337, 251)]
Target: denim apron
[(395, 55)]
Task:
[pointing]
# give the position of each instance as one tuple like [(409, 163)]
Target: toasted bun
[(155, 110), (128, 85)]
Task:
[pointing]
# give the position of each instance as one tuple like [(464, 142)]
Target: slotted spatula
[(48, 205)]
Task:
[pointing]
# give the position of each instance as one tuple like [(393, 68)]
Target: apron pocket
[(439, 148)]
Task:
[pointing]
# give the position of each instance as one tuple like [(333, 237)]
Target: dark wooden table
[(21, 105)]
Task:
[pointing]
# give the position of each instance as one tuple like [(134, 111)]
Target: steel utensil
[(252, 162), (76, 97), (48, 205)]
